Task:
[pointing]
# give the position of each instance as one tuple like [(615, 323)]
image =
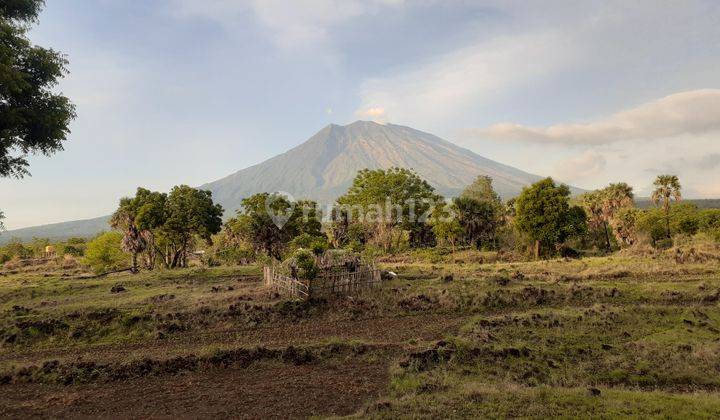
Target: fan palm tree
[(615, 198), (594, 204), (134, 241), (667, 188)]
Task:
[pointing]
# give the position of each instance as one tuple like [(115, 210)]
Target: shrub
[(104, 253), (307, 268)]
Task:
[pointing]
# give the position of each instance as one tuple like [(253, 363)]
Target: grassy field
[(624, 335)]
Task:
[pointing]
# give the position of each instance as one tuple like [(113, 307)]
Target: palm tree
[(617, 197), (594, 204), (667, 188), (134, 240)]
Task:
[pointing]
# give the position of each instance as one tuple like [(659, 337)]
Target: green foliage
[(255, 223), (447, 228), (105, 253), (602, 208), (544, 215), (389, 201), (684, 218), (625, 225), (33, 117), (15, 250), (316, 244), (307, 267), (667, 188), (166, 223), (709, 219), (681, 218), (479, 220), (481, 190)]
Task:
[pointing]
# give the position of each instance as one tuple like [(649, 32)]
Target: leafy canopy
[(105, 253), (255, 223), (33, 118), (398, 194), (544, 214)]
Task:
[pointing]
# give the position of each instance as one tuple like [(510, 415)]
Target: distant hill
[(323, 167), (59, 231)]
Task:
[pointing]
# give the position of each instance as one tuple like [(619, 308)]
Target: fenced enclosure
[(327, 283)]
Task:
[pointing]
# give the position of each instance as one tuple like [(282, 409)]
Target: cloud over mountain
[(692, 112)]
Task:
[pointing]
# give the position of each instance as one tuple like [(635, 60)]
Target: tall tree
[(390, 200), (33, 118), (479, 219), (137, 217), (593, 203), (189, 213), (481, 190), (618, 197), (544, 214), (667, 188)]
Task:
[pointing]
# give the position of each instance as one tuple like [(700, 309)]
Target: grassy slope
[(500, 339)]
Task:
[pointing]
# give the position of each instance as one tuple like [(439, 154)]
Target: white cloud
[(296, 23), (377, 114), (691, 112), (580, 167), (450, 84)]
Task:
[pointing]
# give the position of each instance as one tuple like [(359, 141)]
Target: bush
[(317, 244), (709, 220), (307, 268), (104, 253)]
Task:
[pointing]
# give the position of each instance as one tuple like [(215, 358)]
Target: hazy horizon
[(183, 92)]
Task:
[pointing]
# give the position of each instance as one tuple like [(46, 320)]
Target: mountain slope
[(323, 167), (59, 231)]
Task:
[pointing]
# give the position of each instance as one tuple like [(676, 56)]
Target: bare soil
[(265, 390)]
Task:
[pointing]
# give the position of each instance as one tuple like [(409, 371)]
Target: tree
[(270, 221), (593, 203), (189, 212), (105, 253), (136, 217), (543, 213), (625, 225), (667, 188), (602, 207), (2, 217), (447, 228), (33, 118), (481, 190), (479, 220), (616, 198), (391, 199)]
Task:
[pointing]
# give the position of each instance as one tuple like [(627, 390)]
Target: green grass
[(537, 336)]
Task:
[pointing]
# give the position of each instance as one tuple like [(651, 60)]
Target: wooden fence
[(326, 284)]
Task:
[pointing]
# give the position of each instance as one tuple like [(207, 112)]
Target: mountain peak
[(323, 167)]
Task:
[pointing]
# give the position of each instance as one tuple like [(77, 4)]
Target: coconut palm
[(667, 188)]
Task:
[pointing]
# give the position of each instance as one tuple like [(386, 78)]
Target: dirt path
[(383, 330), (260, 391)]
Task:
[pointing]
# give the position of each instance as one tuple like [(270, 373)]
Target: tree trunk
[(537, 250), (134, 262), (667, 219), (607, 236)]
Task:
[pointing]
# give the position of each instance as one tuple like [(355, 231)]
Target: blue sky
[(188, 91)]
